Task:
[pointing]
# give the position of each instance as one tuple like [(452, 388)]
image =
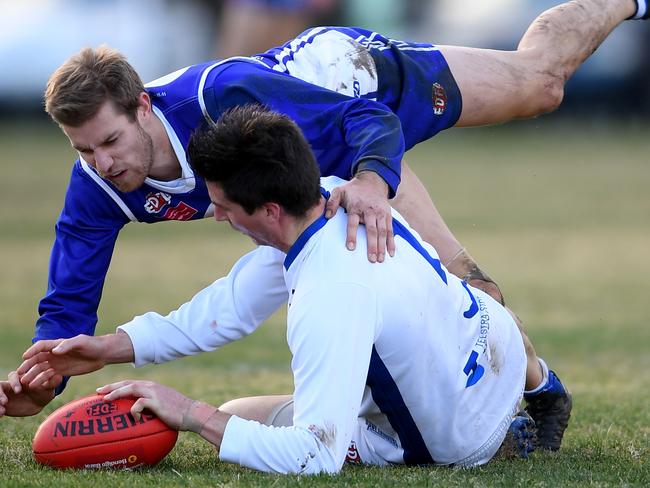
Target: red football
[(91, 433)]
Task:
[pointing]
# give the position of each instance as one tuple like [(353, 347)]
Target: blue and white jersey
[(345, 122), (401, 358), (95, 211)]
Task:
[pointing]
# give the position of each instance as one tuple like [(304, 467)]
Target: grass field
[(560, 217)]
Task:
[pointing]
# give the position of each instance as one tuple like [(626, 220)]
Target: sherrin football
[(93, 434)]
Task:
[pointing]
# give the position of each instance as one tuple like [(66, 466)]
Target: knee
[(230, 406), (546, 93)]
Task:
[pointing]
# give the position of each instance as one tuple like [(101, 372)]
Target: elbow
[(550, 96), (545, 94), (325, 454), (319, 463), (283, 450)]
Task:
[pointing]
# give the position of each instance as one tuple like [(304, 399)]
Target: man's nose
[(103, 161), (219, 215)]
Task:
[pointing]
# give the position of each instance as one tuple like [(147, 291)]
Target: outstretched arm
[(176, 410), (325, 405), (33, 385), (82, 354), (227, 310), (28, 389)]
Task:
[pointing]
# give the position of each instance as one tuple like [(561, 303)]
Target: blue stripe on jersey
[(473, 308), (306, 235), (388, 398), (400, 230), (302, 240)]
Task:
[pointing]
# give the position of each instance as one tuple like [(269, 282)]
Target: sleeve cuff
[(59, 389), (230, 447), (143, 347), (391, 178)]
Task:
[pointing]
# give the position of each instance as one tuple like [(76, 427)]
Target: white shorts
[(361, 451)]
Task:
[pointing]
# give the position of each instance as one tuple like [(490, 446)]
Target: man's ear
[(144, 106), (272, 210)]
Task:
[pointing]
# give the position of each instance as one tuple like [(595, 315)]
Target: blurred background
[(556, 209), (160, 36)]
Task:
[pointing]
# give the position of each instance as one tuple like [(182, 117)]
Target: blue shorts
[(415, 82), (412, 80)]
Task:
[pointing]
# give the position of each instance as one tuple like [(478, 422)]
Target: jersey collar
[(303, 238)]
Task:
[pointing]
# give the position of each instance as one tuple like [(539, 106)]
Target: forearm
[(375, 179), (207, 421), (117, 348), (47, 360), (257, 446), (380, 172)]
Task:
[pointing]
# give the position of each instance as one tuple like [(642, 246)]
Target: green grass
[(560, 217)]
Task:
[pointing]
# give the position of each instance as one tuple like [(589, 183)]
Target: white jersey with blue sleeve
[(401, 359), (229, 309)]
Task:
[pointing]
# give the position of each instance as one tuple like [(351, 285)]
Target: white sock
[(544, 379), (641, 9)]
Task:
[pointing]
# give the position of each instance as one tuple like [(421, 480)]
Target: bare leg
[(254, 408), (534, 373), (498, 86)]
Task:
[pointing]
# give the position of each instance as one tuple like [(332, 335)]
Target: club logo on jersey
[(182, 211), (439, 99), (352, 457), (156, 201)]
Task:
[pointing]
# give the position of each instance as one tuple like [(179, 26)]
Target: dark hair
[(79, 87), (258, 156)]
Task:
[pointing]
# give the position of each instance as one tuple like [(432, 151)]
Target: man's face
[(255, 226), (116, 146)]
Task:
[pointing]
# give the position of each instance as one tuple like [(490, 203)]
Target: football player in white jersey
[(383, 97), (400, 363)]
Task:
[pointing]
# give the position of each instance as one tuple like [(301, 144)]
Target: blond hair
[(80, 86)]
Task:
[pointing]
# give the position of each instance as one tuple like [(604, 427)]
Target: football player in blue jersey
[(360, 99)]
